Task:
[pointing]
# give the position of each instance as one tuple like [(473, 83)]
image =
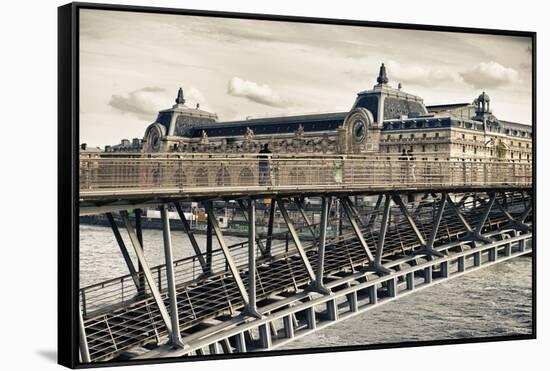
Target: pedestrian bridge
[(115, 182), (270, 289)]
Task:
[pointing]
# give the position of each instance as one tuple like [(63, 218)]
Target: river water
[(493, 301)]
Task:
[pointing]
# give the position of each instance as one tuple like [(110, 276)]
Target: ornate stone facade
[(382, 121)]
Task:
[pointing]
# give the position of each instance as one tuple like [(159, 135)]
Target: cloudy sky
[(131, 65)]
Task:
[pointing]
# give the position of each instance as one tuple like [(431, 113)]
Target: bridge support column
[(269, 236), (332, 310), (477, 259), (377, 266), (214, 348), (124, 252), (461, 264), (310, 318), (192, 239), (521, 245), (352, 300), (410, 281), (444, 269), (265, 335), (147, 271), (139, 233), (229, 259), (319, 285), (175, 336), (288, 326), (251, 308), (392, 287), (83, 341), (373, 295), (296, 240), (492, 254), (208, 206), (428, 274), (244, 208), (240, 342)]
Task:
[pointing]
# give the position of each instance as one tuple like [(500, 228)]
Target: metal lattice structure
[(261, 294)]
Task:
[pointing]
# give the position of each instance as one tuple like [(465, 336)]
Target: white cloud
[(416, 75), (490, 75), (143, 103), (259, 93)]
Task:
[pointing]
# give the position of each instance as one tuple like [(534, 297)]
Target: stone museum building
[(383, 121)]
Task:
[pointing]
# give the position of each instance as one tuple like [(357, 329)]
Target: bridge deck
[(117, 319), (110, 183)]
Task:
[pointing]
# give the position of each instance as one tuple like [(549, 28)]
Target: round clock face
[(155, 140), (359, 131)]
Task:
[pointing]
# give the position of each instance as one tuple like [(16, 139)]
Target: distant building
[(382, 121), (136, 145)]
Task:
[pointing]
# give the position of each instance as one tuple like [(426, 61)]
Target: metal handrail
[(180, 173)]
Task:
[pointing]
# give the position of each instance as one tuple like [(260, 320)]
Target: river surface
[(493, 301)]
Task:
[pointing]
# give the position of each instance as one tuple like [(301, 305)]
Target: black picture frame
[(68, 191)]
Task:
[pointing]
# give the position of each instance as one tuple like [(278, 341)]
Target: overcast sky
[(131, 65)]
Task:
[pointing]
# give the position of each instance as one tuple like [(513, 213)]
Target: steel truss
[(401, 249)]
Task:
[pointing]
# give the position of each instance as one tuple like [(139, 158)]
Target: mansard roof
[(273, 125)]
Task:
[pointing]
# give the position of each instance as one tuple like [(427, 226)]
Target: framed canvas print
[(235, 185)]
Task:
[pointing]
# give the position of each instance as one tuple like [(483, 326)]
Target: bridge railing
[(195, 172)]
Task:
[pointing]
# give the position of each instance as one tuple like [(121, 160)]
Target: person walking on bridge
[(263, 165)]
